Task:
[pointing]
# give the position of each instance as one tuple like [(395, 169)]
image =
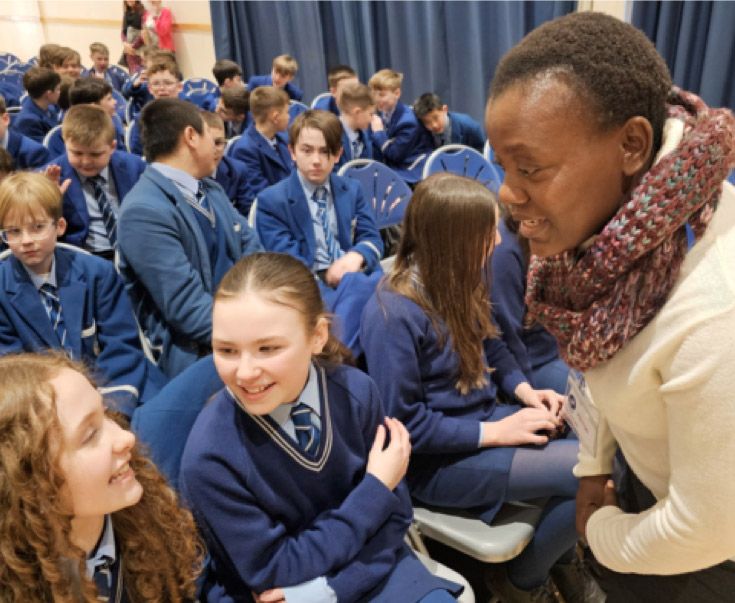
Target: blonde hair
[(265, 99), (448, 234), (386, 79), (99, 48), (87, 125), (284, 280), (156, 537), (355, 94), (28, 194), (285, 64)]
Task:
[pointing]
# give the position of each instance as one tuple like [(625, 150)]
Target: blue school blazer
[(403, 140), (263, 165), (165, 263), (466, 130), (327, 103), (26, 153), (32, 121), (369, 151), (116, 79), (284, 222), (124, 169), (231, 175), (256, 81), (98, 317)]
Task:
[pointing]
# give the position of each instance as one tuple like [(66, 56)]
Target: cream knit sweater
[(668, 400)]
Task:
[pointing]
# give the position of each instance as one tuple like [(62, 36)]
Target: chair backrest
[(198, 85), (386, 192), (231, 143), (52, 134), (319, 97), (121, 105), (295, 108), (489, 154), (23, 67), (7, 59), (13, 76), (464, 161), (6, 253)]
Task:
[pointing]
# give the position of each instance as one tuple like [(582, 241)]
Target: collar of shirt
[(448, 130), (105, 549), (6, 137), (105, 174), (352, 135), (39, 280), (183, 180), (310, 189), (388, 115), (309, 396), (271, 141)]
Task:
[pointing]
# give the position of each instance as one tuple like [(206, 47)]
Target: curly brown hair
[(156, 537)]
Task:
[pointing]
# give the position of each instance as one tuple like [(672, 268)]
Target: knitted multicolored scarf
[(595, 302)]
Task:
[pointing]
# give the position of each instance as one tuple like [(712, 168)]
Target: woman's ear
[(637, 142), (320, 336)]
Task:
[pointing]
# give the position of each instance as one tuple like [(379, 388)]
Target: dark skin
[(565, 178)]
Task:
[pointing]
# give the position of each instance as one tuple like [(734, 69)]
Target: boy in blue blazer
[(324, 220), (100, 56), (263, 147), (228, 74), (164, 81), (230, 172), (100, 176), (404, 144), (357, 110), (55, 297), (37, 114), (447, 127), (282, 72), (178, 234), (337, 77), (26, 153)]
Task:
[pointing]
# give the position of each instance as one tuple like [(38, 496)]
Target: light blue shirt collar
[(39, 280), (310, 188), (309, 396), (106, 549), (352, 135), (183, 180)]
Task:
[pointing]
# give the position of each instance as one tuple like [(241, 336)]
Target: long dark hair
[(448, 234)]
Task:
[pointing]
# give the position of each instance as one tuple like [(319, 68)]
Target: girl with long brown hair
[(435, 354), (85, 516)]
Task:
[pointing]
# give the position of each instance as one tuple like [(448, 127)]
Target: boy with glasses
[(60, 298), (164, 81)]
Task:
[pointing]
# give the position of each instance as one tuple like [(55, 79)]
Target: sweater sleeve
[(392, 337), (693, 526)]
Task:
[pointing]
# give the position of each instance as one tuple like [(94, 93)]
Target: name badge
[(580, 412)]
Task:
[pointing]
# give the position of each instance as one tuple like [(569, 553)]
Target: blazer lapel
[(27, 301), (71, 293), (300, 210)]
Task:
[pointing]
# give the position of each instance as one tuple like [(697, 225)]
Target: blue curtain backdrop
[(450, 48), (697, 40)]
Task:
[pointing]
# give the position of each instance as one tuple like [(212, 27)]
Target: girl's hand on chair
[(389, 464), (522, 427), (540, 398)]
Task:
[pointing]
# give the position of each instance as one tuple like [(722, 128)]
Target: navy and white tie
[(320, 198), (103, 580), (307, 434), (356, 148), (52, 303), (202, 197), (105, 205)]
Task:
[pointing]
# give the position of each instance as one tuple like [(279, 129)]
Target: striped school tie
[(103, 580), (108, 213), (52, 303), (307, 433), (356, 148), (320, 198)]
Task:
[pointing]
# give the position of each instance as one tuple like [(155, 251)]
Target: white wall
[(27, 24)]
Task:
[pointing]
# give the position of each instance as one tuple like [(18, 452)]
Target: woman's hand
[(540, 398), (521, 427), (594, 492), (390, 465), (273, 595)]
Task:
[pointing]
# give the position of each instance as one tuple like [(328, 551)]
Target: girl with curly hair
[(85, 516)]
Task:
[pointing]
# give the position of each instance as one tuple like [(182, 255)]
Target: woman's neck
[(86, 532)]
